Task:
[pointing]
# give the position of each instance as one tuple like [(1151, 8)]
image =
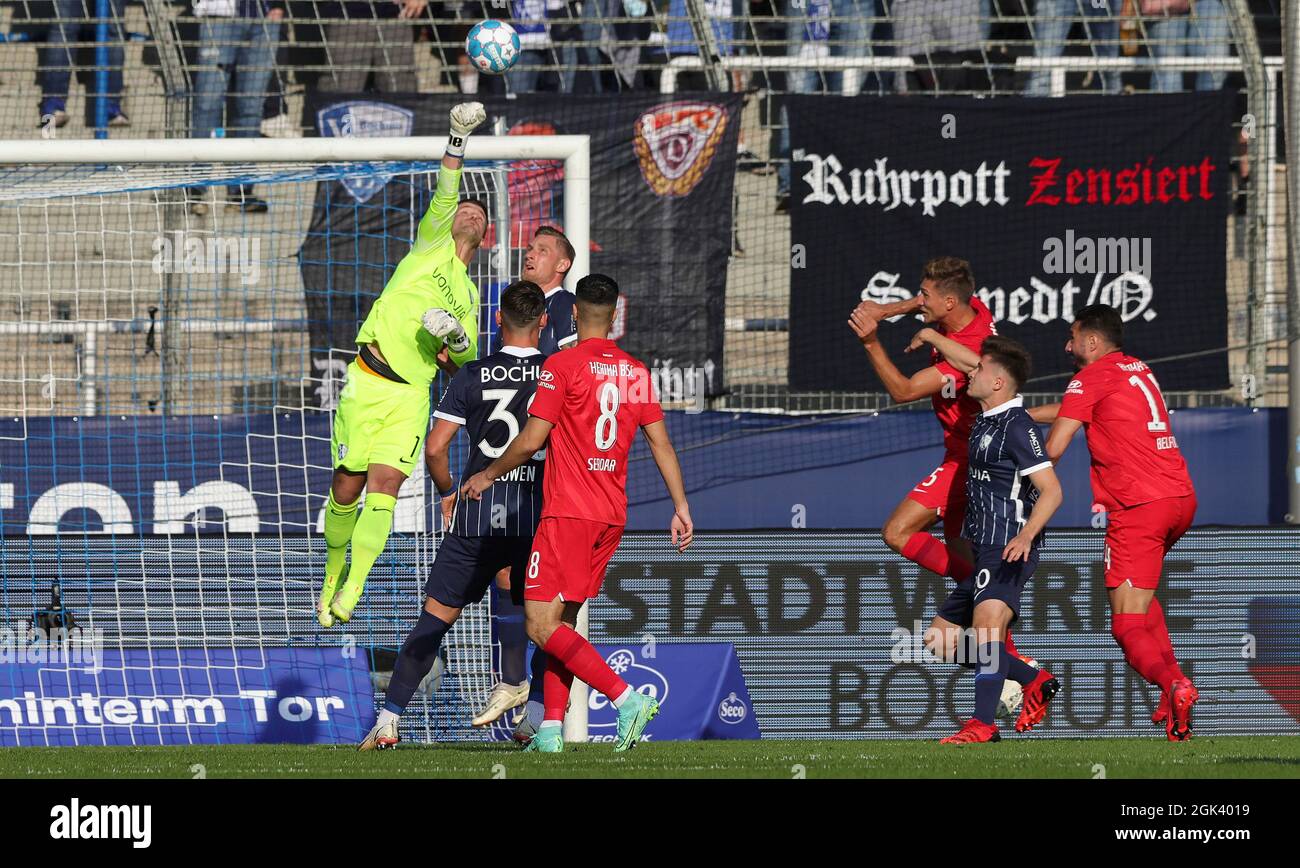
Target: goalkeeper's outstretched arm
[(435, 227)]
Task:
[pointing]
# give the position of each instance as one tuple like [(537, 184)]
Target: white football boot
[(503, 698), (381, 737)]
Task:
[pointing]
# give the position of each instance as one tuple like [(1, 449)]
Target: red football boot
[(1182, 696), (1161, 714), (1038, 693), (973, 732)]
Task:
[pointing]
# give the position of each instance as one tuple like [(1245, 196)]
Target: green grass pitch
[(1225, 757)]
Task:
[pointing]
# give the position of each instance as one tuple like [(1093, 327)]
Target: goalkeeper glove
[(465, 118), (446, 327)]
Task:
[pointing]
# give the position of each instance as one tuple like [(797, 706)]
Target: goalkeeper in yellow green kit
[(427, 313)]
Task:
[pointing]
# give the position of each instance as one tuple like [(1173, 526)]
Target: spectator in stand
[(943, 38), (448, 31), (818, 29), (276, 122), (808, 33), (74, 21), (529, 18), (370, 45), (1051, 24), (766, 26), (850, 36), (600, 49), (236, 38), (680, 40), (577, 31), (1179, 28)]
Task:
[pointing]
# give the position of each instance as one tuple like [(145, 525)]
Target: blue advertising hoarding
[(187, 696), (699, 686), (267, 473)]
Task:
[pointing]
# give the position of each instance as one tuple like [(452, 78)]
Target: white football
[(492, 46), (1013, 696)]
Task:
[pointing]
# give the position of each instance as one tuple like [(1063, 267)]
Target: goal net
[(177, 316)]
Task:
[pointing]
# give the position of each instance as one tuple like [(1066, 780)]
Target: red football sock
[(958, 567), (1141, 649), (1011, 646), (926, 551), (1155, 624), (556, 683), (584, 661)]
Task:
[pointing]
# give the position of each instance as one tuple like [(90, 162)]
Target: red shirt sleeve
[(947, 370), (1081, 396), (650, 411), (552, 382)]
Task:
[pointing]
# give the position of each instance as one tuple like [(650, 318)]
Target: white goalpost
[(197, 404), (198, 160)]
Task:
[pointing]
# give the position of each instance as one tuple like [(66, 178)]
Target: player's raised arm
[(530, 440), (465, 118), (661, 447), (1060, 435), (1045, 414), (879, 311), (901, 388), (435, 227), (960, 357), (1074, 410)]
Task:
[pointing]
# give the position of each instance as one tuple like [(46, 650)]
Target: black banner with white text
[(1056, 203)]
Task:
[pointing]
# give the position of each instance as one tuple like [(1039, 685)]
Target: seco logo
[(732, 710)]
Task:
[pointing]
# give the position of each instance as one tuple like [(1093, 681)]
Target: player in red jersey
[(947, 301), (590, 402), (1140, 478)]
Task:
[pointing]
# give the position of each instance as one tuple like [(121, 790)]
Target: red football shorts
[(1138, 538), (945, 491), (569, 558)]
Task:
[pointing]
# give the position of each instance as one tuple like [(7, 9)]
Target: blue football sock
[(510, 633), (536, 688), (989, 678), (1020, 671), (415, 660), (967, 650)]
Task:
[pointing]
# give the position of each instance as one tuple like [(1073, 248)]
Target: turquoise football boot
[(636, 712)]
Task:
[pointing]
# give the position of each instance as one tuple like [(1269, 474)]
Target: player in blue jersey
[(489, 398), (546, 263), (1011, 493)]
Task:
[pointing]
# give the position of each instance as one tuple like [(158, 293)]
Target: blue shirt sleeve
[(454, 404), (561, 324), (565, 322), (1024, 445)]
